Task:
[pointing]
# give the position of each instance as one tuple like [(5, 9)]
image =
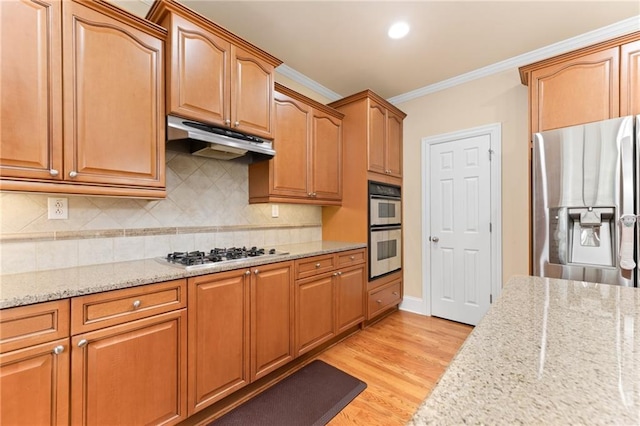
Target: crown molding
[(617, 29), (298, 77)]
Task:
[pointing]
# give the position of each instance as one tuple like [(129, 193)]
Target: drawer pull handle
[(53, 172), (248, 273), (82, 343), (257, 271), (58, 349), (136, 304), (227, 122), (379, 301), (73, 174), (317, 265), (352, 257), (395, 293)]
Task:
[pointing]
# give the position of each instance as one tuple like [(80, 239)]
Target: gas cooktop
[(190, 260)]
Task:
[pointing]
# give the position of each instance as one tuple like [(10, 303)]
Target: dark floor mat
[(311, 396)]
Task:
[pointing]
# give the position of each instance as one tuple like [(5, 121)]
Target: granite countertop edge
[(56, 284)]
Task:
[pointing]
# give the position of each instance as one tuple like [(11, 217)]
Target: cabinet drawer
[(349, 258), (30, 325), (383, 298), (99, 310), (314, 266)]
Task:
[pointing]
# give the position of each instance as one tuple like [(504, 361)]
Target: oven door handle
[(375, 228), (384, 197)]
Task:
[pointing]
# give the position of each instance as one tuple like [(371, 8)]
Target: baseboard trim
[(413, 304)]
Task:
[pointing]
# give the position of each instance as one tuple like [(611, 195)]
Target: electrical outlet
[(275, 210), (58, 208)]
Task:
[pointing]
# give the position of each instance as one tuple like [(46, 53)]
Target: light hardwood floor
[(400, 358)]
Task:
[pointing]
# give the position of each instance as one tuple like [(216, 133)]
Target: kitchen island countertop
[(549, 351), (41, 286)]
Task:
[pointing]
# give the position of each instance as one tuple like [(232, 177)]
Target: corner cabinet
[(240, 328), (591, 84), (214, 76), (307, 167), (69, 122)]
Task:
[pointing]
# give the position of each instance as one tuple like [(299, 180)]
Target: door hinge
[(491, 152), (490, 227), (490, 298)]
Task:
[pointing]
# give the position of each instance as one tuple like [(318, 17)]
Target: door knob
[(435, 239)]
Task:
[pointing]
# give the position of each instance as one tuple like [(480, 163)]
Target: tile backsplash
[(206, 206)]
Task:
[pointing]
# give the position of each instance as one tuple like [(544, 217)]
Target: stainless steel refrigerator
[(586, 202)]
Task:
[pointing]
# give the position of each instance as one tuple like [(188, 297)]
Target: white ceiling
[(343, 46)]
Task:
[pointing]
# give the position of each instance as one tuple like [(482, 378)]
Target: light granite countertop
[(548, 352), (42, 286)]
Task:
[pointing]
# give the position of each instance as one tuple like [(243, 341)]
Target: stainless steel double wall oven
[(385, 229)]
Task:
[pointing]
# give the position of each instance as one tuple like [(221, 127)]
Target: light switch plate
[(58, 208), (275, 210)]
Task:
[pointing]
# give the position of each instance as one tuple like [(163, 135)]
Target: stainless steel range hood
[(217, 142)]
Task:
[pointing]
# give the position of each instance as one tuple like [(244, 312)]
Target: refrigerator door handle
[(628, 223), (627, 215)]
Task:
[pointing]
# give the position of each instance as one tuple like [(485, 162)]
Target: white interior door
[(460, 228)]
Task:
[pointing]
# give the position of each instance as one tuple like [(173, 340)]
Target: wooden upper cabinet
[(595, 83), (198, 77), (114, 109), (83, 100), (307, 166), (630, 78), (251, 94), (214, 76), (385, 140), (377, 138), (31, 88), (576, 91), (326, 156), (394, 144)]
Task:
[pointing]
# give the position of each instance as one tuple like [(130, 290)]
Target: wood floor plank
[(400, 358)]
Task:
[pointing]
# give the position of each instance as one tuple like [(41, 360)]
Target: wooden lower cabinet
[(271, 318), (329, 297), (315, 319), (34, 364), (240, 327), (34, 385), (350, 290), (133, 373), (384, 297)]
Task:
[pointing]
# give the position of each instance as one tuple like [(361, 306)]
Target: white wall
[(496, 98)]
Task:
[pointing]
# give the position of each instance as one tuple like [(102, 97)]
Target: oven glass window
[(387, 249), (386, 210)]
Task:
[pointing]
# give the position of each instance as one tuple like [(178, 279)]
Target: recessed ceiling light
[(398, 30)]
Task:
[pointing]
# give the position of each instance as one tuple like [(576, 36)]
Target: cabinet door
[(114, 101), (350, 297), (326, 156), (133, 373), (271, 318), (289, 171), (394, 145), (630, 79), (377, 138), (218, 337), (251, 94), (199, 73), (577, 91), (31, 87), (315, 317), (34, 385)]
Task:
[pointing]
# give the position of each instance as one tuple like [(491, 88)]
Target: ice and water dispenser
[(582, 235)]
